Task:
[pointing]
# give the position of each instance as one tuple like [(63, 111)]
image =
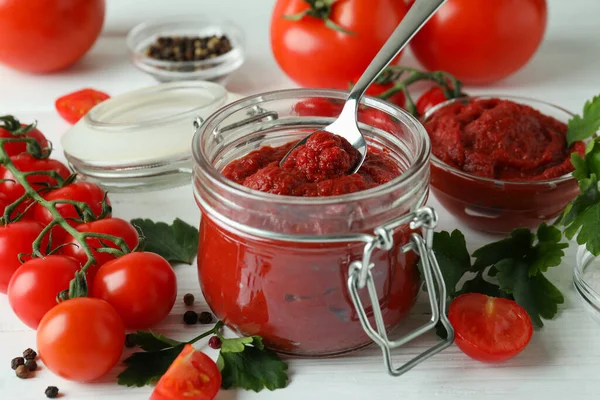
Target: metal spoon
[(346, 125)]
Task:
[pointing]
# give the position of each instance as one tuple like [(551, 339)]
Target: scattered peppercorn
[(29, 354), (188, 48), (129, 343), (31, 365), (205, 317), (188, 299), (190, 317), (214, 342), (22, 372), (51, 392), (15, 362)]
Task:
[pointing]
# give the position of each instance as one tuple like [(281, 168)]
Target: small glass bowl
[(497, 206), (215, 69), (586, 278)]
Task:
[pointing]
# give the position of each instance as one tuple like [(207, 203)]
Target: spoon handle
[(416, 17)]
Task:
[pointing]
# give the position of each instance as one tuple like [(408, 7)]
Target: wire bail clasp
[(360, 276)]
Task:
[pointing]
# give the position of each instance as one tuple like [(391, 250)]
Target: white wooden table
[(562, 361)]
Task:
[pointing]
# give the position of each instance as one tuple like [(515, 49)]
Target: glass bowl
[(496, 206), (215, 69), (586, 278)]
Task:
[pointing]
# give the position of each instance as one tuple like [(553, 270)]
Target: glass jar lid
[(142, 139)]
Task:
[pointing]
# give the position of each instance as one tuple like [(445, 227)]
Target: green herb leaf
[(535, 294), (150, 341), (238, 345), (177, 243), (252, 369), (515, 246), (589, 222), (146, 368), (453, 257), (479, 285), (583, 127)]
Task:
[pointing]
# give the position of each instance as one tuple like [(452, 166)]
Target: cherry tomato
[(110, 226), (81, 339), (16, 238), (489, 329), (26, 163), (430, 99), (73, 106), (318, 107), (34, 286), (142, 287), (474, 43), (44, 36), (397, 98), (315, 55), (16, 148), (3, 203), (85, 192), (192, 376)]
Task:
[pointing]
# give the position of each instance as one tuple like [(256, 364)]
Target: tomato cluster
[(48, 240)]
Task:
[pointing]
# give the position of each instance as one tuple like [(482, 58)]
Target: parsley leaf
[(589, 222), (583, 127), (453, 257), (247, 364), (177, 243), (149, 341), (146, 368), (514, 246)]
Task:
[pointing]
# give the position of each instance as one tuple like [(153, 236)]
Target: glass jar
[(586, 279), (292, 269)]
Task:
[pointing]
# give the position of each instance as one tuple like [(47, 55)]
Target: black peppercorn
[(29, 354), (129, 343), (214, 342), (189, 48), (51, 392), (31, 365), (188, 299), (205, 317), (15, 362), (22, 372), (190, 317)]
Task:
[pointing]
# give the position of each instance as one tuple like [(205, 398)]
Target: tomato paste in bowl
[(501, 163), (276, 243)]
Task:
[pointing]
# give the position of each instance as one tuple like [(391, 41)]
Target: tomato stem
[(214, 331)]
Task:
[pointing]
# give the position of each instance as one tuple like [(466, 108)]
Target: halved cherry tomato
[(15, 239), (489, 329), (33, 287), (192, 376), (73, 106), (26, 163), (142, 287), (16, 148), (430, 99), (110, 226), (81, 339), (86, 192)]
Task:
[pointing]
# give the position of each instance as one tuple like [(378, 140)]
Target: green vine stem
[(83, 209), (214, 331)]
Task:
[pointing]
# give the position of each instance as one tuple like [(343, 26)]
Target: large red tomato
[(483, 43), (315, 55), (48, 35)]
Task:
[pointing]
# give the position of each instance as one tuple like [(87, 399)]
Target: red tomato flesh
[(489, 329), (73, 106), (192, 376)]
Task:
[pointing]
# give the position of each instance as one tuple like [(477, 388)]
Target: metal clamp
[(360, 276)]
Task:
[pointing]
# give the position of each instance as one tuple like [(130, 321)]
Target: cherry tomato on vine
[(315, 55), (16, 148), (86, 192), (192, 376), (73, 106), (34, 286), (81, 339), (397, 98), (16, 238), (318, 106), (3, 203), (430, 99), (489, 329), (26, 163), (474, 44), (42, 36), (142, 287), (110, 226)]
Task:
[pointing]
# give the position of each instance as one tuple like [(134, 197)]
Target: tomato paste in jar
[(294, 295)]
